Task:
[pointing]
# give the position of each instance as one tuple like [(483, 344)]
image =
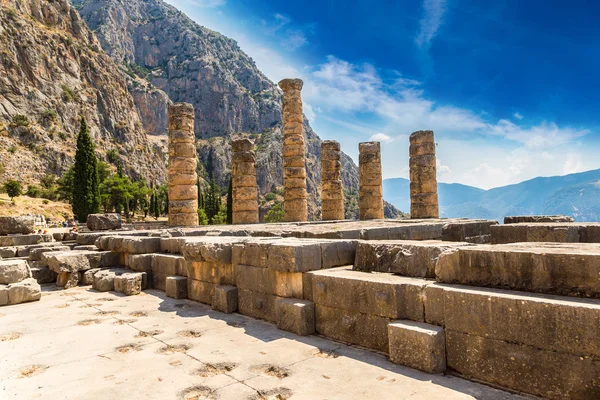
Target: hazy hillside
[(575, 195)]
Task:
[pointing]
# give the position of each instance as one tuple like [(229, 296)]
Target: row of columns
[(183, 201)]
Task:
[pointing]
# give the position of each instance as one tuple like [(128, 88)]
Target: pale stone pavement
[(82, 344)]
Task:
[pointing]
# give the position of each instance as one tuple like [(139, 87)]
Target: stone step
[(561, 232), (24, 240), (553, 268), (407, 258)]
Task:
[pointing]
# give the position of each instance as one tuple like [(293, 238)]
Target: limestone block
[(183, 192), (36, 254), (182, 165), (185, 150), (104, 222), (90, 247), (183, 219), (67, 280), (177, 178), (536, 218), (417, 345), (203, 292), (24, 240), (13, 271), (538, 232), (129, 284), (551, 375), (265, 280), (433, 300), (104, 281), (172, 245), (257, 305), (251, 253), (296, 316), (294, 256), (3, 295), (168, 264), (468, 231), (226, 299), (407, 258), (141, 245), (159, 281), (215, 249), (8, 252), (553, 323), (71, 261), (16, 225), (90, 238), (217, 273), (176, 287), (141, 262), (58, 236), (183, 206), (350, 326), (338, 253), (43, 275), (244, 180), (87, 277), (376, 294), (24, 291)]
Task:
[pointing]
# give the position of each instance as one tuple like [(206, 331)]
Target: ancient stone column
[(370, 181), (423, 179), (332, 194), (295, 206), (183, 192), (243, 182)]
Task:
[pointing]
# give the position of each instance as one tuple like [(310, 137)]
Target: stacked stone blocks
[(294, 153), (423, 176), (183, 190), (244, 188), (370, 181), (332, 195)]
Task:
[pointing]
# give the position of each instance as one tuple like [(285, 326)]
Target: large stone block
[(203, 292), (67, 280), (176, 287), (73, 261), (8, 252), (43, 275), (104, 281), (296, 316), (552, 323), (141, 262), (294, 256), (24, 240), (36, 254), (257, 305), (547, 232), (384, 295), (536, 218), (350, 326), (87, 277), (24, 291), (416, 259), (265, 280), (210, 249), (549, 374), (468, 231), (417, 345), (217, 273), (3, 295), (104, 222), (168, 264), (16, 225), (226, 299), (13, 271), (338, 253), (140, 245)]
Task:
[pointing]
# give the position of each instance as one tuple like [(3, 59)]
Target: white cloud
[(441, 168), (291, 38), (518, 116), (433, 17), (381, 137)]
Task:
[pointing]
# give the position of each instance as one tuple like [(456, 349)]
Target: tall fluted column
[(331, 181), (423, 179), (243, 182), (370, 181), (183, 192), (295, 206)]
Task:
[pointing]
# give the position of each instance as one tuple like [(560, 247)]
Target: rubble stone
[(13, 271)]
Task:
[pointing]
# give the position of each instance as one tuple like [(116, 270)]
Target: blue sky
[(509, 87)]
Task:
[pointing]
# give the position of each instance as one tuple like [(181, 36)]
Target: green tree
[(86, 193), (275, 214), (202, 218), (13, 188), (117, 192), (230, 202), (65, 185)]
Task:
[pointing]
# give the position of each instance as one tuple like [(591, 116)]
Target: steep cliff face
[(160, 45), (52, 70)]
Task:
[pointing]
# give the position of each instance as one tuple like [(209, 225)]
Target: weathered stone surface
[(552, 375), (257, 305), (72, 261), (3, 295), (129, 284), (176, 287), (139, 245), (407, 258), (433, 299), (87, 277), (375, 294), (67, 280), (24, 291), (104, 222), (43, 275), (338, 253), (563, 269), (423, 181), (16, 225), (294, 256), (468, 231), (417, 345), (265, 280), (24, 240), (13, 271), (89, 247), (331, 178), (203, 292), (169, 265), (553, 323), (537, 232), (141, 262), (370, 181), (104, 281), (36, 254), (210, 249), (296, 316), (8, 252), (350, 326), (244, 188), (537, 218), (217, 273), (226, 299)]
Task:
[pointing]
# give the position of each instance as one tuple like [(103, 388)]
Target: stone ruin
[(516, 306), (243, 182)]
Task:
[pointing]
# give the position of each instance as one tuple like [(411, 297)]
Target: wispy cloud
[(291, 37), (381, 137), (433, 18), (207, 3), (518, 116)]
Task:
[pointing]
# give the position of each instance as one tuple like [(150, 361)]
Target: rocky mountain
[(52, 70), (575, 195), (165, 52)]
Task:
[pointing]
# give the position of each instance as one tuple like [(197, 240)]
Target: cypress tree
[(230, 202), (86, 192)]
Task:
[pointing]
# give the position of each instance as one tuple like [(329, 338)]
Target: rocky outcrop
[(52, 70)]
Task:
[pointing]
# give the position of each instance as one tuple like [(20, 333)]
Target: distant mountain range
[(577, 195)]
